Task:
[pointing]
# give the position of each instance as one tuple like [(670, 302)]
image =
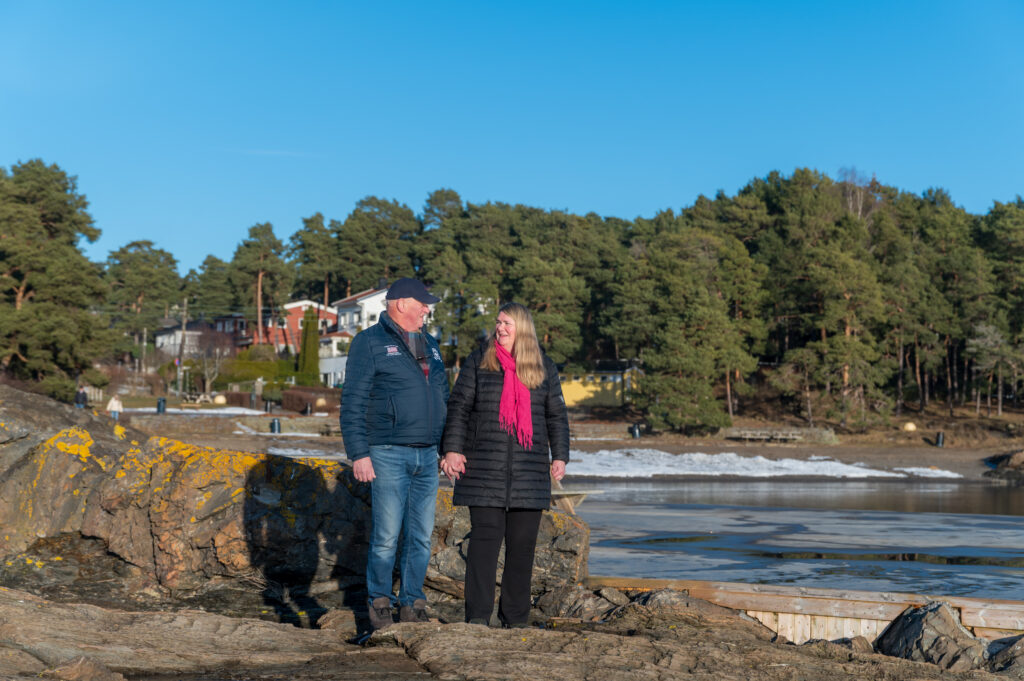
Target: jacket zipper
[(419, 370), (508, 475)]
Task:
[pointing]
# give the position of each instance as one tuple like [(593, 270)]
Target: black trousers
[(518, 529)]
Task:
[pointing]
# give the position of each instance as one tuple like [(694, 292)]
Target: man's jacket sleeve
[(355, 395)]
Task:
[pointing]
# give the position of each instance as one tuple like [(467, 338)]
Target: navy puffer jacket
[(386, 399), (499, 471)]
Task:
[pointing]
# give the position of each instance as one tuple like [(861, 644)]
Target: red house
[(285, 331)]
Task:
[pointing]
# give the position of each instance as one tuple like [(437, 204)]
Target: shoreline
[(968, 462), (884, 450)]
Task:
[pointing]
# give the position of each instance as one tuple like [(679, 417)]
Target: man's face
[(412, 314)]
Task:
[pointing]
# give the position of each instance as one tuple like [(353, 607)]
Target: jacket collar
[(388, 323)]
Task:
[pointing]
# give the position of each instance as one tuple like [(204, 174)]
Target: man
[(392, 417)]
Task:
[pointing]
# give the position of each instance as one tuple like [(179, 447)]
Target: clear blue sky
[(188, 122)]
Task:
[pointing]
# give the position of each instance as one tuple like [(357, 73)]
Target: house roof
[(336, 334), (306, 303), (356, 297)]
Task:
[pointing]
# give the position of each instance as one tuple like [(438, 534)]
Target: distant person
[(114, 407), (81, 398), (505, 414), (392, 416)]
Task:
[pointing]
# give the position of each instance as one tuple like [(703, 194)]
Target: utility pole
[(181, 343)]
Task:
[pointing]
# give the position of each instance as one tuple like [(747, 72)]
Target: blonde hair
[(525, 350)]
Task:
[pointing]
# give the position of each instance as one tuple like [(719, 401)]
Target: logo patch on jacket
[(392, 349), (437, 355)]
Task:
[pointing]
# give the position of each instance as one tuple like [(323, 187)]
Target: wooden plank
[(992, 615), (994, 634), (768, 619), (870, 629), (831, 607), (640, 584), (787, 625), (819, 626), (803, 628)]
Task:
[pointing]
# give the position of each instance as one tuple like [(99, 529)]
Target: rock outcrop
[(184, 518), (661, 638), (933, 633), (1008, 467), (1007, 657)]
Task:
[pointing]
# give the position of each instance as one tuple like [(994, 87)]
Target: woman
[(505, 414), (114, 407)]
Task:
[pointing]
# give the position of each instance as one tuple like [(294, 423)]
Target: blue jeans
[(404, 494)]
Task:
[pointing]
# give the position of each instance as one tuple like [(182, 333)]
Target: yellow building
[(594, 389)]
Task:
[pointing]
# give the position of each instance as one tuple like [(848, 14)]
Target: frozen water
[(843, 535), (646, 463)]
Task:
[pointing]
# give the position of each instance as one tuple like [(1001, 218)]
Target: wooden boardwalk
[(801, 614)]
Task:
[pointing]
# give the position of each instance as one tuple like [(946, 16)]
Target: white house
[(359, 311)]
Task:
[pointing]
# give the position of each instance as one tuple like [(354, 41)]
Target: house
[(284, 331), (360, 310), (236, 326), (333, 357), (168, 340)]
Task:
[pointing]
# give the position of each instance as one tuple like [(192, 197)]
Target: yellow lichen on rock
[(75, 441)]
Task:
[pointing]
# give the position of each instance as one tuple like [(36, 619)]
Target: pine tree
[(50, 331), (309, 350), (259, 267), (144, 283)]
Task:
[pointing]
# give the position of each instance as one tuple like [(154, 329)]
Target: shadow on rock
[(306, 537)]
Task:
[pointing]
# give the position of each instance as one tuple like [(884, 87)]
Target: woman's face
[(505, 331)]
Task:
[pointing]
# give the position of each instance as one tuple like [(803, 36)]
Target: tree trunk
[(899, 378), (917, 377), (999, 391), (728, 393), (952, 370), (964, 379), (977, 391), (949, 377), (259, 307), (807, 399), (988, 398)]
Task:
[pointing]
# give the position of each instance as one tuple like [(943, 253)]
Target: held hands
[(453, 465), (362, 469), (557, 469)]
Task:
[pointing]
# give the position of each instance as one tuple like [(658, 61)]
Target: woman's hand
[(453, 465), (557, 469)]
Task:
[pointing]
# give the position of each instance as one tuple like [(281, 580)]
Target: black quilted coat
[(499, 471)]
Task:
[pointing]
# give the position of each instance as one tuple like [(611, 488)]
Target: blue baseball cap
[(407, 287)]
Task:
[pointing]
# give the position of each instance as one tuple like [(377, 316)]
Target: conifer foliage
[(847, 299)]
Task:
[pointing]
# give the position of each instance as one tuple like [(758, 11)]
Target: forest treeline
[(852, 299)]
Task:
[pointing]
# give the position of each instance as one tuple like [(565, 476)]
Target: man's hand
[(557, 469), (453, 465), (363, 469)]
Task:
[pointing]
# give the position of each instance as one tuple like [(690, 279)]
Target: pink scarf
[(514, 410)]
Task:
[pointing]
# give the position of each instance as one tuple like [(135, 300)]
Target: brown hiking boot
[(417, 612), (381, 616)]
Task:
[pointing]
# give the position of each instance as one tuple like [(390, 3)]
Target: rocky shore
[(127, 555)]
